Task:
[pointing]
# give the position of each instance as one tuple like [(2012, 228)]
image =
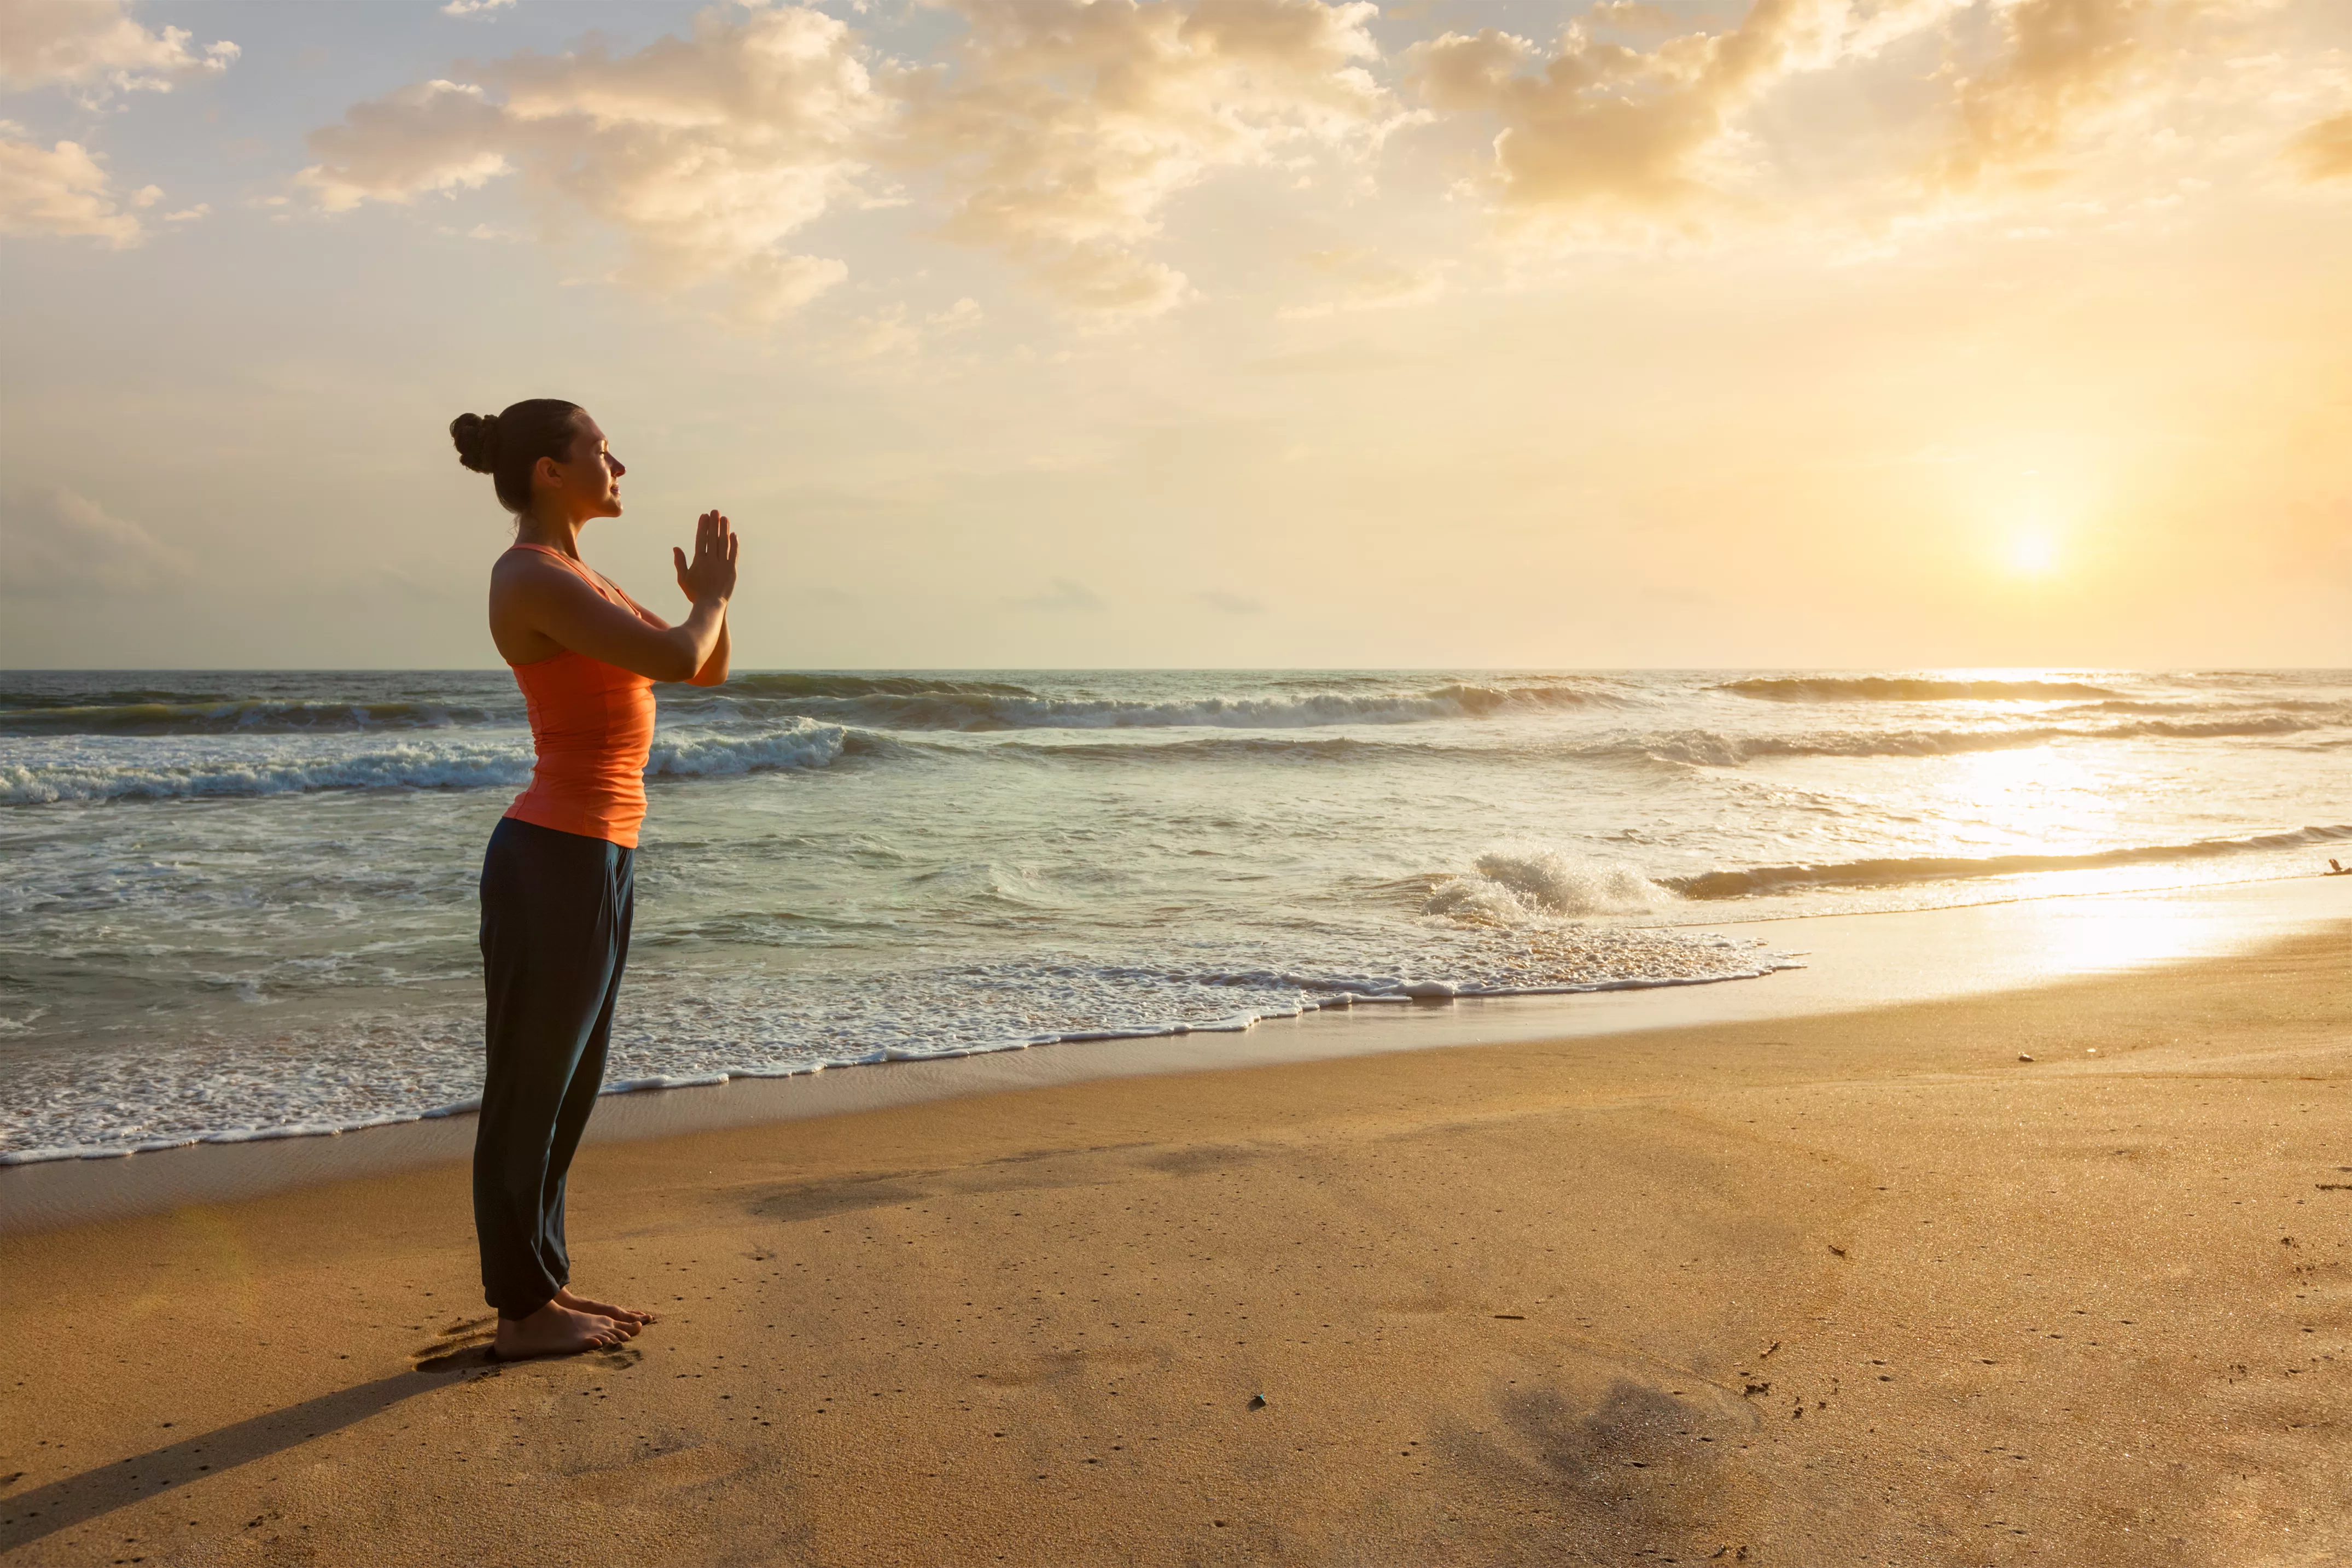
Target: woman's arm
[(714, 669), (539, 608)]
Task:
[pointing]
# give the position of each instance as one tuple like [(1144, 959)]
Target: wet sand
[(1863, 1287)]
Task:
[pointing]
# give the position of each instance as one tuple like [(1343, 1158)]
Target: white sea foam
[(798, 744), (1526, 885), (981, 709), (46, 772), (684, 1028), (1710, 748), (86, 773)]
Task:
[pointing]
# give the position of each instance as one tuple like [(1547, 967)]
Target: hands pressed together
[(709, 576)]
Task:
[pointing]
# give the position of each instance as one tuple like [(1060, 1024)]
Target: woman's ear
[(546, 472)]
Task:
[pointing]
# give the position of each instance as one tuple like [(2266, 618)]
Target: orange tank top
[(592, 724)]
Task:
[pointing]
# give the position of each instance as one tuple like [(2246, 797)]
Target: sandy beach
[(1867, 1288)]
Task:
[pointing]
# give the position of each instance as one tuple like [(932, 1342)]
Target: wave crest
[(1904, 689), (1707, 748), (229, 716), (409, 766), (948, 705), (787, 684), (1522, 887), (806, 744), (418, 766), (1945, 868)]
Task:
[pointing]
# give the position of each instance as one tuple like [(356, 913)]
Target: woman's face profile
[(588, 482)]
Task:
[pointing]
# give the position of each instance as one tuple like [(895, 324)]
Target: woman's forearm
[(698, 638), (714, 668)]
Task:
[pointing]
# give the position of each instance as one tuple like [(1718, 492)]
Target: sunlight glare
[(2034, 553)]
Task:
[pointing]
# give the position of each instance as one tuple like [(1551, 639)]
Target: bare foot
[(629, 1319), (556, 1330)]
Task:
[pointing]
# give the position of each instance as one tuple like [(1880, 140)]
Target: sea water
[(242, 904)]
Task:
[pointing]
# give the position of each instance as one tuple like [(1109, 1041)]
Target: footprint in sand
[(472, 1352), (462, 1344)]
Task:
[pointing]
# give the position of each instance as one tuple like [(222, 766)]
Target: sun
[(2033, 553)]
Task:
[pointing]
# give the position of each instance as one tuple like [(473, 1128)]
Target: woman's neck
[(560, 534)]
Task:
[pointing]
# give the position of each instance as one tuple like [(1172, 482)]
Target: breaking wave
[(723, 756), (1905, 689), (1523, 887), (786, 684), (412, 766), (1945, 868), (972, 708), (235, 716), (409, 766), (1709, 748)]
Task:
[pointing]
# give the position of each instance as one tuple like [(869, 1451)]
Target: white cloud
[(60, 545), (2059, 61), (94, 46), (1231, 603), (1595, 129), (1060, 134), (894, 332), (706, 152), (63, 191), (473, 7), (1601, 138), (1061, 128), (1055, 132)]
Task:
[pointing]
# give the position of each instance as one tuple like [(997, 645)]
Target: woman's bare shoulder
[(530, 569)]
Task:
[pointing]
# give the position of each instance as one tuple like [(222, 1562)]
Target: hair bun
[(477, 435)]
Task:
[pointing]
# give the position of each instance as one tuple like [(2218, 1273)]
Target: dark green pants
[(555, 938)]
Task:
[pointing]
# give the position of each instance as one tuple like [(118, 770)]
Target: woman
[(556, 882)]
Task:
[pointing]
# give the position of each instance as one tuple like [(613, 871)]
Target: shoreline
[(2048, 1275), (1850, 962)]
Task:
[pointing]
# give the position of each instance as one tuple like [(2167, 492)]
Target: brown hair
[(508, 445)]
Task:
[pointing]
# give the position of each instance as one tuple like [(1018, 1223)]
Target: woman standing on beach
[(557, 880)]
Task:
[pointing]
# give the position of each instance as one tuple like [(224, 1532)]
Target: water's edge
[(1343, 1000), (1854, 962)]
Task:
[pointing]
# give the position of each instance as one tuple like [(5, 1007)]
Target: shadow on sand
[(62, 1504)]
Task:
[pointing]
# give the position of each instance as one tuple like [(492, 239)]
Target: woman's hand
[(709, 576)]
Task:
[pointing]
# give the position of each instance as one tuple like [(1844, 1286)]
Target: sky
[(1031, 333)]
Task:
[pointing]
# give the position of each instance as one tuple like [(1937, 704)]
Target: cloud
[(1360, 280), (1595, 128), (2323, 151), (1598, 134), (1057, 132), (705, 154), (93, 45), (1231, 603), (1061, 594), (94, 48), (892, 333), (473, 7), (1060, 129), (63, 191), (1061, 134), (60, 545), (2059, 61)]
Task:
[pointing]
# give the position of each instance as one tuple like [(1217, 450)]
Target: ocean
[(241, 905)]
